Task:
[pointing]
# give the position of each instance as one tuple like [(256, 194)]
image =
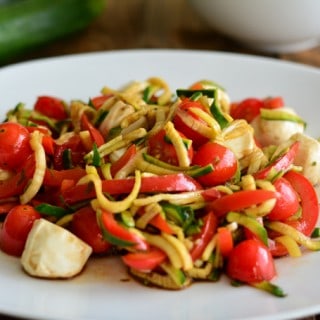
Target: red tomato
[(51, 107), (223, 160), (273, 102), (14, 146), (224, 241), (162, 149), (85, 226), (287, 201), (250, 261), (77, 152), (181, 126), (309, 207), (98, 101), (15, 185), (281, 164), (144, 261), (16, 228), (47, 140), (247, 109)]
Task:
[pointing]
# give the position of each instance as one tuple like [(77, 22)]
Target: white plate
[(103, 290)]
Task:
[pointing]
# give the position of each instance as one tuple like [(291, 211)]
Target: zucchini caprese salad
[(182, 186)]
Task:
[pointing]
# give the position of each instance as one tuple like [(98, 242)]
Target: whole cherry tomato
[(14, 146), (223, 160), (16, 228), (250, 261)]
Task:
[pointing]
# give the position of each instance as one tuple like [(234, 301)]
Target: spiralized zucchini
[(38, 176), (157, 206)]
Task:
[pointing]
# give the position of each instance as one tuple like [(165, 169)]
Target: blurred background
[(131, 24)]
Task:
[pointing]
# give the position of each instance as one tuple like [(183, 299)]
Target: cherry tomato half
[(246, 109), (51, 107), (181, 126), (251, 261), (14, 146), (16, 228), (85, 226), (287, 201), (223, 160), (308, 201), (249, 108)]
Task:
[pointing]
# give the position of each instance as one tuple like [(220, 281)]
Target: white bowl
[(277, 26)]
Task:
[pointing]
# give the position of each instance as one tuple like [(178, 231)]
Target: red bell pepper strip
[(144, 261), (161, 223), (167, 183), (16, 184), (118, 235), (54, 178), (308, 201), (240, 200), (95, 134), (207, 232), (281, 164)]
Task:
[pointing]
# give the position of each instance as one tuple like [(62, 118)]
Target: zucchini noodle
[(177, 142), (103, 202), (165, 245), (174, 181), (38, 176), (290, 244)]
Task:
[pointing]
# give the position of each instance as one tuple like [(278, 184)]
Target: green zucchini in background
[(26, 24)]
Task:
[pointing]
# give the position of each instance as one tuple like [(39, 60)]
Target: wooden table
[(131, 24)]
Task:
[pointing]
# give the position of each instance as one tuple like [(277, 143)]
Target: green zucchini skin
[(26, 24)]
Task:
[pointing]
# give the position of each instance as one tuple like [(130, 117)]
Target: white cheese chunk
[(308, 157), (274, 132), (53, 252), (239, 137)]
